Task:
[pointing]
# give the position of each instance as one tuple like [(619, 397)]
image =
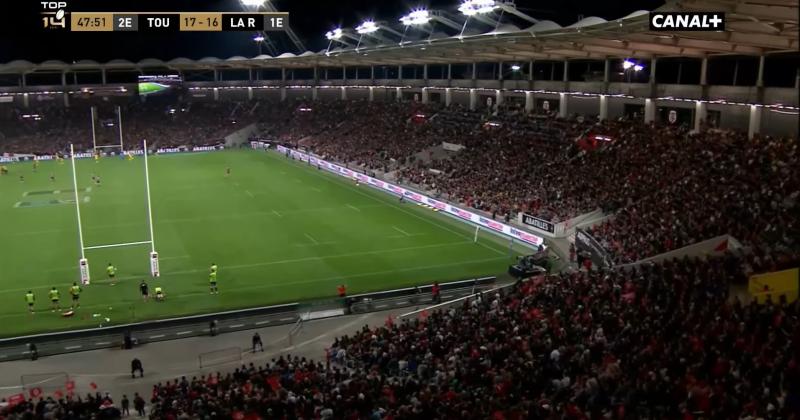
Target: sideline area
[(109, 369)]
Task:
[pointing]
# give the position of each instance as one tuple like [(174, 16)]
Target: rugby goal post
[(83, 263), (97, 148)]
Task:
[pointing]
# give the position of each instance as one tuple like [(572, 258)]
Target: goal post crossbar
[(117, 245)]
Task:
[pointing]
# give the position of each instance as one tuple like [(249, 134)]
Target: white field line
[(401, 231), (161, 222), (249, 193), (414, 215), (354, 207), (311, 238)]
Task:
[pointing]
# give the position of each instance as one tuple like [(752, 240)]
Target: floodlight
[(516, 67), (367, 27), (253, 3), (477, 7), (638, 67), (416, 17), (334, 34), (627, 64), (259, 38)]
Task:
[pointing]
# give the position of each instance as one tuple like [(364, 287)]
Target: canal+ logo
[(680, 21)]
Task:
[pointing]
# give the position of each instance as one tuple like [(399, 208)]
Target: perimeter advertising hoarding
[(538, 223), (414, 196)]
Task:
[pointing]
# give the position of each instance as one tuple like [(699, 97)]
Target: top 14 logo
[(55, 15)]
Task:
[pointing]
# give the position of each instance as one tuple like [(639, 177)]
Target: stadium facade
[(592, 67)]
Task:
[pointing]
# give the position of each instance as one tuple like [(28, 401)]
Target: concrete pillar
[(704, 71), (607, 71), (26, 100), (652, 78), (797, 80), (216, 75), (699, 114), (500, 71), (249, 94), (603, 108), (400, 72), (24, 82), (755, 121), (499, 96), (371, 93), (344, 73), (649, 110), (314, 93), (250, 75), (424, 95), (398, 94), (103, 76), (530, 70), (63, 78), (425, 72), (449, 72), (216, 93), (474, 71), (66, 99), (326, 74), (448, 96), (562, 105), (372, 74), (528, 101), (760, 81), (316, 76), (344, 93), (283, 93), (566, 71), (473, 99)]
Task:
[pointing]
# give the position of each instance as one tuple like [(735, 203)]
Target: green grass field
[(279, 230)]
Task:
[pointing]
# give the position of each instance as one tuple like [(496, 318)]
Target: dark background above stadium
[(21, 38)]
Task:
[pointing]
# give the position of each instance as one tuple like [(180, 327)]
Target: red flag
[(389, 321), (274, 383), (36, 392), (93, 385), (16, 399), (423, 315), (70, 385)]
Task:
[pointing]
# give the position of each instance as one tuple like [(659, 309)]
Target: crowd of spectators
[(49, 129), (657, 341)]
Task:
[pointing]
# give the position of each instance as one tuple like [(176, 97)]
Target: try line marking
[(401, 231), (311, 238)]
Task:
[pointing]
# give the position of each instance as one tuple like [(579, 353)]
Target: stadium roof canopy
[(752, 27)]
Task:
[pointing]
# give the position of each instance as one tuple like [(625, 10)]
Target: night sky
[(21, 38)]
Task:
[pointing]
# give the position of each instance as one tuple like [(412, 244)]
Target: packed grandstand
[(653, 329)]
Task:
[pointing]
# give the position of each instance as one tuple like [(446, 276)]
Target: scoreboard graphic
[(56, 17)]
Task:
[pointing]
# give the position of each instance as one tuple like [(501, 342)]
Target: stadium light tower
[(257, 5), (259, 40), (372, 29), (339, 35), (424, 17)]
